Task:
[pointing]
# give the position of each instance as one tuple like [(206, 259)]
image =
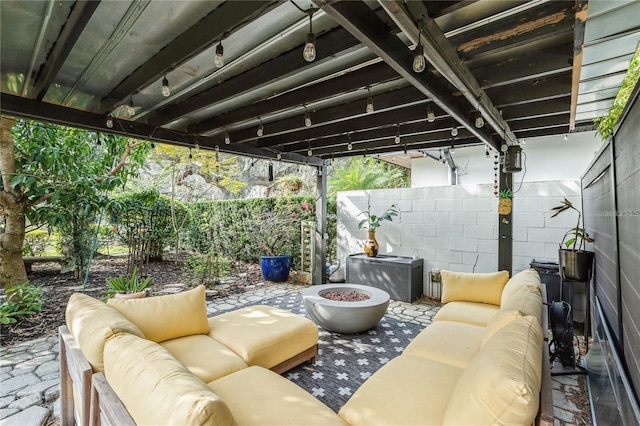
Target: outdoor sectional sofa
[(480, 362)]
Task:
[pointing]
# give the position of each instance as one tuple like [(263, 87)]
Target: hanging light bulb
[(307, 118), (431, 116), (454, 131), (260, 131), (566, 137), (419, 61), (486, 152), (166, 92), (216, 148), (219, 61), (227, 139), (397, 138), (309, 51), (452, 149), (309, 151), (279, 156), (370, 107), (479, 120), (130, 109), (109, 122), (349, 146)]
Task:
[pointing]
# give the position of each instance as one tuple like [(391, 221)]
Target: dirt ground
[(58, 287)]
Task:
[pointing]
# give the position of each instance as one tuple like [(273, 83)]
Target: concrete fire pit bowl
[(345, 317)]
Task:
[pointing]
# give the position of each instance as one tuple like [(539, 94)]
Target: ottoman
[(266, 336)]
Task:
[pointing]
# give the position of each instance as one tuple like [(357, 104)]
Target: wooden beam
[(505, 228)]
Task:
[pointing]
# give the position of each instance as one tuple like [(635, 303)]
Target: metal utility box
[(550, 276), (399, 276)]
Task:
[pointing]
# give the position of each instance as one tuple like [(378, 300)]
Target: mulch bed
[(58, 287)]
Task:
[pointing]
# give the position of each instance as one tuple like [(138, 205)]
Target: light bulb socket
[(219, 55), (166, 92)]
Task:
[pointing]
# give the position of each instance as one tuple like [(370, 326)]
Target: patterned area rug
[(346, 361)]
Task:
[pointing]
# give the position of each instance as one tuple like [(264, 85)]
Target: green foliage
[(244, 229), (145, 214), (36, 242), (605, 125), (289, 184), (578, 234), (364, 173), (22, 300), (208, 268), (372, 221), (127, 284), (505, 193)]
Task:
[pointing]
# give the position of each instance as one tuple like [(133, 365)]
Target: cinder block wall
[(456, 227)]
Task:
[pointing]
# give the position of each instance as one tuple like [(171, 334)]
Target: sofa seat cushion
[(408, 390), (502, 383), (523, 293), (91, 322), (473, 286), (155, 388), (257, 396), (166, 317), (205, 357), (453, 343), (467, 312), (263, 335)]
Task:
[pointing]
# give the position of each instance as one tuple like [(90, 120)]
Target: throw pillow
[(473, 287)]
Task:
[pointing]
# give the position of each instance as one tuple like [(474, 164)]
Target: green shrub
[(22, 300), (36, 242), (209, 268), (127, 284)]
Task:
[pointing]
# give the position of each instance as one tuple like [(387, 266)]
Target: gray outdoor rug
[(346, 361)]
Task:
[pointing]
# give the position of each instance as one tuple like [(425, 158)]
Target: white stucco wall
[(549, 158)]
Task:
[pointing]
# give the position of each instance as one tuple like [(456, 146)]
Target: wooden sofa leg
[(66, 386)]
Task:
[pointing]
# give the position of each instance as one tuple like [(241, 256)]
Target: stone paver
[(29, 379)]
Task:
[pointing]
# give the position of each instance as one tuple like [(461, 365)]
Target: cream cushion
[(166, 317), (263, 335), (257, 396), (499, 320), (468, 312), (473, 287), (157, 389), (523, 293), (452, 343), (205, 357), (91, 323), (400, 392), (502, 383)]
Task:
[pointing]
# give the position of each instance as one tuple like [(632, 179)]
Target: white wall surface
[(456, 227), (548, 158)]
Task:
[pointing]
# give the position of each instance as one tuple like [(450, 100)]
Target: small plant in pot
[(371, 222), (127, 287), (575, 261)]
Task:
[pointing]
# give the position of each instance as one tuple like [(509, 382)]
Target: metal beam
[(505, 228), (78, 18), (32, 109), (444, 58), (224, 19), (453, 169), (319, 271), (363, 23)]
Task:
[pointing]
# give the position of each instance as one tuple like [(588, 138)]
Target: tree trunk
[(13, 211)]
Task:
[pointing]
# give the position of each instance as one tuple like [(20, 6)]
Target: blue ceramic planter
[(275, 268)]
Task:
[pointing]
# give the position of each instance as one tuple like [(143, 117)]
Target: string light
[(309, 151), (109, 122), (307, 117), (479, 120), (260, 131), (397, 138), (309, 51), (454, 131), (219, 61), (452, 149), (431, 116), (227, 139), (166, 92), (279, 156), (419, 61), (130, 109), (486, 152), (370, 107), (349, 145)]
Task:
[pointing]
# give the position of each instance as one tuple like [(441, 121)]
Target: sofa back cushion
[(155, 388), (167, 317), (473, 287), (523, 293), (499, 320), (91, 323), (501, 385)]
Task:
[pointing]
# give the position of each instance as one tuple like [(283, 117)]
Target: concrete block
[(477, 204), (545, 235), (401, 205), (449, 205), (487, 218), (532, 250), (437, 192), (479, 260), (529, 219), (424, 230), (437, 217), (569, 188), (463, 244), (423, 205), (411, 217), (488, 246), (520, 233), (454, 231), (412, 194), (479, 232), (449, 256), (459, 218), (551, 251)]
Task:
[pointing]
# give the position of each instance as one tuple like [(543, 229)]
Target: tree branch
[(123, 160)]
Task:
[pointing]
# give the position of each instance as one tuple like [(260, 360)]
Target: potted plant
[(128, 287), (371, 222), (575, 261), (504, 202)]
